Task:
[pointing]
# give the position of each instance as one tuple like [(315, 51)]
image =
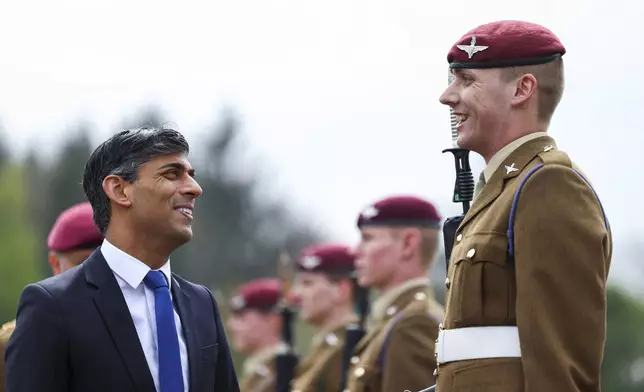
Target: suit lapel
[(116, 315), (517, 160), (188, 325)]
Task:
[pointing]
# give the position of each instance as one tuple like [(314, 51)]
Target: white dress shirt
[(129, 273)]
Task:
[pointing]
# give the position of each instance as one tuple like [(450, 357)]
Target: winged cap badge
[(310, 262), (472, 48), (237, 302), (369, 212)]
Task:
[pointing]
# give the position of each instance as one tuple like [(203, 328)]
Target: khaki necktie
[(479, 184)]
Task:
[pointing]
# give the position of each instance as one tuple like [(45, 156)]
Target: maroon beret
[(330, 258), (74, 229), (406, 211), (260, 294), (506, 43)]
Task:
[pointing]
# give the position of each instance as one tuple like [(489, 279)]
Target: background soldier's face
[(377, 255), (160, 196), (249, 328), (62, 261), (482, 99), (317, 297)]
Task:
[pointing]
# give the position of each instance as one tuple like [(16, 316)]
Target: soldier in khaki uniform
[(71, 240), (324, 291), (526, 288), (399, 240), (255, 326)]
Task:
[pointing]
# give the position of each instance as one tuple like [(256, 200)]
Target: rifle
[(354, 332), (286, 361), (463, 192)]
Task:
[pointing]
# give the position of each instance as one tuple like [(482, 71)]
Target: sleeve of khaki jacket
[(561, 252), (409, 362), (2, 352)]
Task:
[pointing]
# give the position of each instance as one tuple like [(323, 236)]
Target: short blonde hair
[(428, 244), (550, 84)]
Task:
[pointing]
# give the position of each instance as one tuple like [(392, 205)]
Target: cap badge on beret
[(369, 212), (237, 302), (310, 262), (472, 48)]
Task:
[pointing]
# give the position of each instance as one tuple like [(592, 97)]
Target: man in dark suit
[(122, 321)]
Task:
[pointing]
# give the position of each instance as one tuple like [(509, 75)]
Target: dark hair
[(123, 155)]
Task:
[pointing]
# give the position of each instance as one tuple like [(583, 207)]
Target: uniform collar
[(329, 333), (129, 268), (383, 302), (257, 362), (501, 155)]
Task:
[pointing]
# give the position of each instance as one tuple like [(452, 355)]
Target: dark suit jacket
[(74, 332)]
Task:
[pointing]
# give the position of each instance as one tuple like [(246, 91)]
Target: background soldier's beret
[(260, 294), (505, 43), (328, 258), (404, 211), (74, 229)]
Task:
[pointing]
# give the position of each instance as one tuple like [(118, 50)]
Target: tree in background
[(56, 186), (18, 258)]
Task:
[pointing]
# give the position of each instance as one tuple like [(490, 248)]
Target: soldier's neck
[(341, 315)]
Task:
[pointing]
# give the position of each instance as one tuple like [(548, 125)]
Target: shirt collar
[(129, 268), (498, 158)]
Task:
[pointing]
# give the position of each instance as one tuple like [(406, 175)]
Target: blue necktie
[(170, 375)]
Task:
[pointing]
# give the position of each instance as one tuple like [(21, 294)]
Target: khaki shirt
[(553, 289), (258, 374), (321, 369), (5, 334), (404, 328)]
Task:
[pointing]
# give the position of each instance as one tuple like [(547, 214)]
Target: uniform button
[(359, 372), (470, 253), (420, 296), (391, 311), (355, 359), (447, 283), (459, 237)]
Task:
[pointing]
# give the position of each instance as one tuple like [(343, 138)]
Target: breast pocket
[(483, 280), (209, 353)]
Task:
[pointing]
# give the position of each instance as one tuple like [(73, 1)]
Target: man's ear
[(117, 190), (54, 262), (525, 87), (410, 242)]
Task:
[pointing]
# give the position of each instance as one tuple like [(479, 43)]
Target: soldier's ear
[(411, 238), (118, 190), (525, 87), (54, 263)]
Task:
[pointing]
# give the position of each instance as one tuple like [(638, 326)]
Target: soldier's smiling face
[(377, 256), (482, 103)]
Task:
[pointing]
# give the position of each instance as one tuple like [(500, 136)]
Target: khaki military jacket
[(5, 333), (259, 373), (321, 369), (553, 289), (410, 320)]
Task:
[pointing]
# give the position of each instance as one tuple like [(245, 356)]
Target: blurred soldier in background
[(255, 325), (71, 240), (399, 241), (324, 291)]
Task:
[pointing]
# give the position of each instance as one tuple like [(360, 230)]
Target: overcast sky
[(338, 98)]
